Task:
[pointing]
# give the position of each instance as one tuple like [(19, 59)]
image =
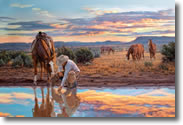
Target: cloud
[(143, 22), (21, 5), (148, 104), (41, 12), (6, 19), (30, 25), (109, 24), (99, 11)]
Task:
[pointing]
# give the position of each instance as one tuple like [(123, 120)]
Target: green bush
[(83, 55), (17, 62), (1, 63), (148, 64), (28, 62), (169, 52), (66, 51), (5, 56), (95, 52), (163, 66), (19, 58)]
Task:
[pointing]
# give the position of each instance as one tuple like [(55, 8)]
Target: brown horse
[(152, 49), (44, 54), (106, 49), (140, 51), (137, 51)]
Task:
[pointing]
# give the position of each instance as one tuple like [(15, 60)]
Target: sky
[(86, 20)]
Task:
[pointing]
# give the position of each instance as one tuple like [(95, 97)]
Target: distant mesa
[(143, 40)]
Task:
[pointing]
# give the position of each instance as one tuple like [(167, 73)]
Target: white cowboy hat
[(62, 59)]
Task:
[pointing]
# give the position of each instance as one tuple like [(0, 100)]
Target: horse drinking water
[(43, 52)]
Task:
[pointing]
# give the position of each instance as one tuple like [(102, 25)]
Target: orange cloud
[(121, 104), (9, 98), (26, 39), (58, 26), (4, 114)]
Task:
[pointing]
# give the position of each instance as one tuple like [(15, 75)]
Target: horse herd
[(135, 50), (43, 52)]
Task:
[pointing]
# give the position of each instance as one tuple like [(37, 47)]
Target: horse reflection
[(68, 103), (46, 108)]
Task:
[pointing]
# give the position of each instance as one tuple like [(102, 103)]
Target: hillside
[(157, 40), (143, 40)]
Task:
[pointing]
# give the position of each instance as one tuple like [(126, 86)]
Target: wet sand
[(24, 77)]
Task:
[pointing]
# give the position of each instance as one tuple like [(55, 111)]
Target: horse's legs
[(150, 55), (154, 56), (35, 71), (41, 63)]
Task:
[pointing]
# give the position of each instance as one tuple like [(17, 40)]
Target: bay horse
[(44, 54), (136, 50), (152, 49), (107, 49)]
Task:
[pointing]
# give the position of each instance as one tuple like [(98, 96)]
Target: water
[(84, 102)]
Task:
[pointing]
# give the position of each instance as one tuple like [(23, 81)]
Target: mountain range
[(143, 40)]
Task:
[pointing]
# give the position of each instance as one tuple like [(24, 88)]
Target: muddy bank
[(24, 77)]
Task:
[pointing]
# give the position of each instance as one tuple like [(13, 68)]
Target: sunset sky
[(86, 20)]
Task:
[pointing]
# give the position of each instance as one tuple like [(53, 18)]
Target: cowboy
[(68, 71)]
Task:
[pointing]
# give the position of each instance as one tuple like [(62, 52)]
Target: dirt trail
[(24, 77)]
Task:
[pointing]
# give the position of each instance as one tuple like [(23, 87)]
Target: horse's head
[(51, 67), (127, 56), (149, 42)]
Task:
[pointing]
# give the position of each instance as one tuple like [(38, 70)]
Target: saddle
[(47, 39)]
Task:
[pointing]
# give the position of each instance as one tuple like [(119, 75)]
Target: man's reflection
[(68, 103)]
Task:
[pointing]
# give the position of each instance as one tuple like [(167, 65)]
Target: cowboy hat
[(62, 59)]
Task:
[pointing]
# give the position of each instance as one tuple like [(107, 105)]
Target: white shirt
[(70, 66)]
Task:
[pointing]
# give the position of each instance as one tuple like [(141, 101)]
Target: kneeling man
[(68, 71)]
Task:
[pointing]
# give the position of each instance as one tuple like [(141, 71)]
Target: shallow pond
[(84, 102)]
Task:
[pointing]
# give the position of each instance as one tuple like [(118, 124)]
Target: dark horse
[(43, 52), (152, 49), (104, 49)]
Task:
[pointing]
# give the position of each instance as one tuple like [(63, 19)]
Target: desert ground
[(112, 70)]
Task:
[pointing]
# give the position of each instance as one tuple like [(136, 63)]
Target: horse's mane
[(43, 50), (151, 44), (129, 51)]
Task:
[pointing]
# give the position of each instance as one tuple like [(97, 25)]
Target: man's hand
[(60, 74), (59, 88)]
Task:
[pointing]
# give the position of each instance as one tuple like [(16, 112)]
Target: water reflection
[(93, 102), (68, 103)]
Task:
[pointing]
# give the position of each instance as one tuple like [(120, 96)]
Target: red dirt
[(24, 77)]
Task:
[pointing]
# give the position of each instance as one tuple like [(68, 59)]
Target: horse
[(108, 49), (152, 49), (137, 51), (44, 54), (140, 51)]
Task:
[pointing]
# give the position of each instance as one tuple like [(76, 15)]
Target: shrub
[(95, 52), (1, 63), (163, 66), (5, 56), (148, 64), (66, 51), (28, 62), (83, 55), (16, 57), (169, 52), (17, 62)]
